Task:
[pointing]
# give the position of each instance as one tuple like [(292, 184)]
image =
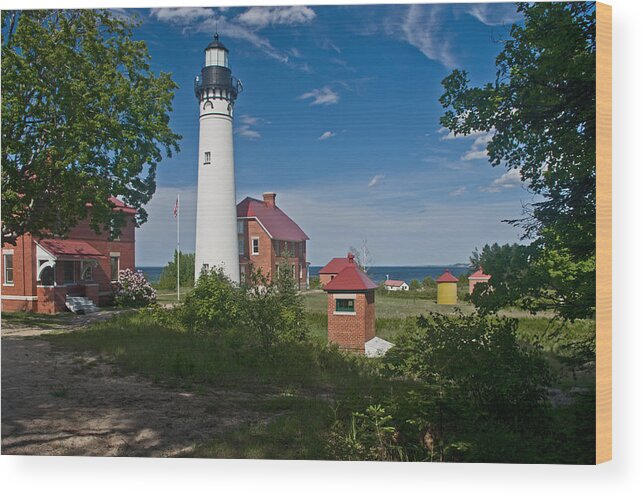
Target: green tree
[(83, 119), (167, 280), (415, 285), (540, 114), (429, 283)]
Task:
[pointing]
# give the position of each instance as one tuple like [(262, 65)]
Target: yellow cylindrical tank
[(447, 289)]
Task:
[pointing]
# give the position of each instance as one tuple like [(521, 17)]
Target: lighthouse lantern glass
[(216, 56)]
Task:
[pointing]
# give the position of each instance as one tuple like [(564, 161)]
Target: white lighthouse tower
[(216, 212)]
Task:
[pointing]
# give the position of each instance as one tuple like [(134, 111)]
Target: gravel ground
[(60, 403)]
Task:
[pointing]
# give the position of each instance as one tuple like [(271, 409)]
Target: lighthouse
[(216, 215)]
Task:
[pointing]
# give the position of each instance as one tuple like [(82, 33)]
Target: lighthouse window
[(206, 158)]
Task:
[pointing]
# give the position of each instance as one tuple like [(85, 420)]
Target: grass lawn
[(298, 389), (164, 296)]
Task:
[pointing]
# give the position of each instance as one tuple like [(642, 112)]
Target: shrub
[(274, 310), (369, 436), (133, 290), (215, 303), (415, 285), (478, 359)]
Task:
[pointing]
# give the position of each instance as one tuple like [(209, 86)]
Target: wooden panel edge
[(603, 232)]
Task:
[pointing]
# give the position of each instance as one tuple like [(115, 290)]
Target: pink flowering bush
[(133, 290)]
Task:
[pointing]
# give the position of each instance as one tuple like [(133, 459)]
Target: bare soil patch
[(60, 403)]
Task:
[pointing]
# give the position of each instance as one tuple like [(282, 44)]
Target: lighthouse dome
[(216, 43)]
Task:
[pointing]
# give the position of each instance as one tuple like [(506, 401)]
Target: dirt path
[(59, 403)]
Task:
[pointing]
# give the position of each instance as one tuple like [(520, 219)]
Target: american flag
[(176, 207)]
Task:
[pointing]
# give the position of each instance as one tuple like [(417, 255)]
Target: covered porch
[(65, 268)]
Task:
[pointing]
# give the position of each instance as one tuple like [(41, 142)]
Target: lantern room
[(216, 53)]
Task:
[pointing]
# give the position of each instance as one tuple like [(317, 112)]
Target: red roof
[(447, 277), (274, 221), (478, 274), (69, 248), (119, 205), (335, 266), (351, 278), (393, 283)]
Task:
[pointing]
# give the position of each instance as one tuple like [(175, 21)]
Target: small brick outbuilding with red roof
[(329, 271), (351, 307)]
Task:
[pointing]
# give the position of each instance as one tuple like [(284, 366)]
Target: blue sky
[(340, 117)]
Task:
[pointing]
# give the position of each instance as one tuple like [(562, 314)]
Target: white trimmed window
[(255, 246), (7, 263)]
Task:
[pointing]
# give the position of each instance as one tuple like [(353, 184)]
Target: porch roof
[(70, 249)]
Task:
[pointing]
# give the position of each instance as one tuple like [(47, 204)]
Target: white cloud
[(246, 128), (326, 135), (375, 180), (248, 119), (458, 192), (509, 179), (181, 15), (478, 148), (423, 27), (248, 132), (321, 96), (205, 20), (261, 17), (496, 14)]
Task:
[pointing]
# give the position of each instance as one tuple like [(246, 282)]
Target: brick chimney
[(269, 199)]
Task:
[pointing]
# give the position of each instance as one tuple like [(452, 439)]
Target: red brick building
[(476, 277), (269, 240), (351, 307), (39, 274), (329, 271)]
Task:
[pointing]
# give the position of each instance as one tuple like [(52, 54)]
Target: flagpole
[(178, 248)]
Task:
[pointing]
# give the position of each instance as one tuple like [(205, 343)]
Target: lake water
[(378, 274)]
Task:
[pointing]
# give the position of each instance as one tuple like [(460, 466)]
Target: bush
[(478, 359), (274, 310), (415, 285), (214, 304), (133, 290)]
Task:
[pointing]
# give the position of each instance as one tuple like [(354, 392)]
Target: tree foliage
[(273, 309), (541, 115), (83, 119), (214, 304), (167, 279), (477, 359)]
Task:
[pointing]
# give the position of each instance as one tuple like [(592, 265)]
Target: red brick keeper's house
[(270, 241), (38, 274)]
